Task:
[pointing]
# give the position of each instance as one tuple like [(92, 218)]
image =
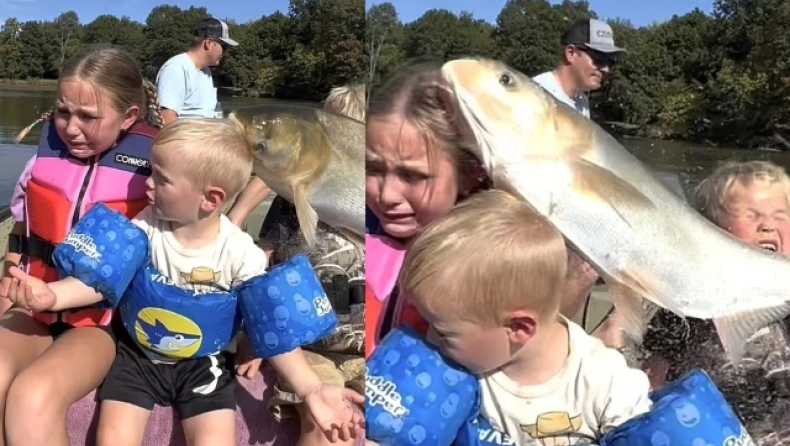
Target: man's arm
[(171, 85), (168, 115), (253, 194)]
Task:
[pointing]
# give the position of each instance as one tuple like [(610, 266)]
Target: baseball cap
[(214, 29), (593, 34)]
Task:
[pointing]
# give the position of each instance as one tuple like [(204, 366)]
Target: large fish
[(644, 240), (313, 158)]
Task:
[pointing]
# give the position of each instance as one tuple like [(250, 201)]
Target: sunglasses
[(222, 44), (599, 59)]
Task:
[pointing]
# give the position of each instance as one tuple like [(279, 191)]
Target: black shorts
[(192, 386)]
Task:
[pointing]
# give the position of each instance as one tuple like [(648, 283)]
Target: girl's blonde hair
[(490, 255), (416, 93), (116, 73), (348, 101), (211, 152), (713, 192)]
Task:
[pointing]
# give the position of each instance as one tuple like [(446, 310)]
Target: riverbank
[(28, 84)]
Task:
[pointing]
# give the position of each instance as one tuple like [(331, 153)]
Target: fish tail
[(736, 329), (308, 218)]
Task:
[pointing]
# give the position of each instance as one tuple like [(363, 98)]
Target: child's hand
[(246, 365), (248, 369), (330, 407), (26, 291)]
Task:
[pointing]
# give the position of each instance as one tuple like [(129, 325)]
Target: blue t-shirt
[(185, 89)]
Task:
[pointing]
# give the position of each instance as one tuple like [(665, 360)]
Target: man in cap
[(588, 54), (184, 83)]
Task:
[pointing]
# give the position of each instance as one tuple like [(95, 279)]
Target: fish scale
[(643, 239)]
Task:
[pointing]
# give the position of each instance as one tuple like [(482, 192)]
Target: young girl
[(95, 147), (415, 174)]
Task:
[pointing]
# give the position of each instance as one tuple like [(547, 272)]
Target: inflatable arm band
[(690, 411), (285, 308), (103, 250), (170, 322), (413, 395)]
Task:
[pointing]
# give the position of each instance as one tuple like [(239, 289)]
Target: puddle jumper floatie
[(282, 309), (690, 411), (415, 396)]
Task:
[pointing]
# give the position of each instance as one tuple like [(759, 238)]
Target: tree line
[(300, 54), (721, 78)]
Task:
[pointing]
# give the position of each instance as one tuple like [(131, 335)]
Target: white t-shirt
[(595, 392), (231, 258), (580, 103)]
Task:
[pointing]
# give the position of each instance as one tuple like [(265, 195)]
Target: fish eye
[(261, 146), (505, 79)]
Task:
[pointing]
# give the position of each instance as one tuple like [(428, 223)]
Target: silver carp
[(313, 158), (644, 240)]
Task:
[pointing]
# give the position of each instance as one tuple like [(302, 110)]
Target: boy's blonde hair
[(212, 152), (714, 191), (491, 255), (348, 101)]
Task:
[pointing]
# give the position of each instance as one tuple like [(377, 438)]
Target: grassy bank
[(28, 84)]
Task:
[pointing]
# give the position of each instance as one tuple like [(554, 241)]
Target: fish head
[(505, 115), (277, 135)]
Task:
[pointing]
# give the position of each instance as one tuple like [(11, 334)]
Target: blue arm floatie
[(691, 411), (285, 308), (104, 250), (414, 396)]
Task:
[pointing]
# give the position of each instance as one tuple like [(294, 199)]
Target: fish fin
[(353, 237), (735, 330), (632, 312), (605, 186), (308, 218)]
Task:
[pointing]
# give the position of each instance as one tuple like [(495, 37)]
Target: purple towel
[(254, 424)]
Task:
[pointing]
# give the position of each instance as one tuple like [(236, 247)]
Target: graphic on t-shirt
[(203, 278), (555, 429), (167, 333)]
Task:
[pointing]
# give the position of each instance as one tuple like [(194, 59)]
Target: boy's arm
[(621, 392), (294, 368), (71, 293)]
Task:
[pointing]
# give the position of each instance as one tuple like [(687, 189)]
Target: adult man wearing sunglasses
[(184, 83), (589, 53)]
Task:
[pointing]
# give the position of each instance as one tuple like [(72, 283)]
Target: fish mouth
[(473, 128)]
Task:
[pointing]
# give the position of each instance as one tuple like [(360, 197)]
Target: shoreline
[(28, 85)]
